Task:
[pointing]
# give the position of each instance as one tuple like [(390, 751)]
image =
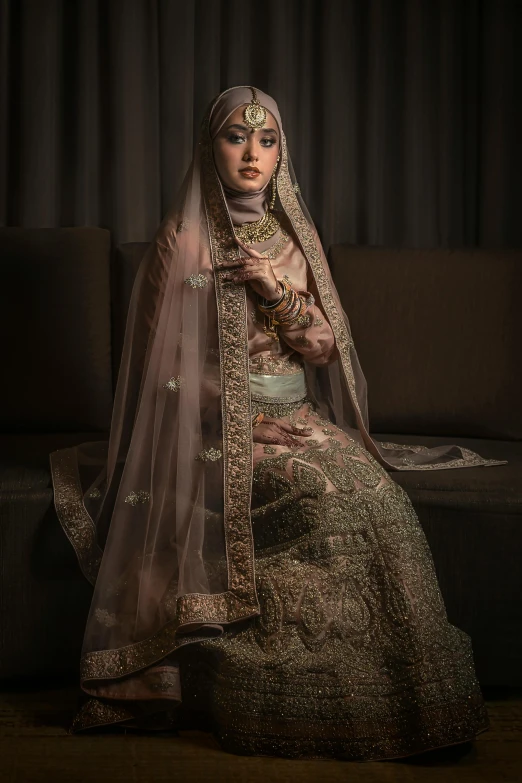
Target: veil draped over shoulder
[(159, 515)]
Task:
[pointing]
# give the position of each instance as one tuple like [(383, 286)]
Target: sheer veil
[(159, 515)]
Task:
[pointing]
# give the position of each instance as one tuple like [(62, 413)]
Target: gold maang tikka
[(254, 114)]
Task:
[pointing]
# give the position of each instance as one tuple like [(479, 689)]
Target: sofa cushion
[(472, 518), (44, 599), (438, 336), (55, 307)]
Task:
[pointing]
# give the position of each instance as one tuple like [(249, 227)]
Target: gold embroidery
[(326, 565), (275, 365), (209, 455), (95, 493), (196, 281), (235, 388), (98, 713), (141, 496), (174, 384), (192, 608), (318, 322), (72, 514), (304, 320), (276, 410), (183, 225), (269, 449), (469, 458), (305, 236), (334, 442)]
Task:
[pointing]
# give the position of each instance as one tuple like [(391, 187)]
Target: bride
[(251, 557)]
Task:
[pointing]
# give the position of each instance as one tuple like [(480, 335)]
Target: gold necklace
[(259, 231)]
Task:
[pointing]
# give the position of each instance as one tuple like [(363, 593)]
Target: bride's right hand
[(279, 433)]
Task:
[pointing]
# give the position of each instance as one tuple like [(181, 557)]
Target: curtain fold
[(403, 116)]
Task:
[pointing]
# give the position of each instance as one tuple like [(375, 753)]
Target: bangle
[(288, 309), (271, 305), (257, 419), (282, 303)]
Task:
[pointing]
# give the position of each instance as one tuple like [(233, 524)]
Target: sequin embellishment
[(141, 496), (209, 455), (269, 449), (105, 618), (196, 281), (275, 250), (174, 384)]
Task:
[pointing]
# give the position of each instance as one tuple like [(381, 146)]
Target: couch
[(437, 334)]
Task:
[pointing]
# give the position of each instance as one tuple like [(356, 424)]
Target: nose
[(250, 155)]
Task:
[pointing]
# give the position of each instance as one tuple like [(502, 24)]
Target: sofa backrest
[(438, 335), (437, 332), (55, 323), (126, 259)]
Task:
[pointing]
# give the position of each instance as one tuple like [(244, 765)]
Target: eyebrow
[(244, 128)]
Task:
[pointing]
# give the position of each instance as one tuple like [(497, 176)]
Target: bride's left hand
[(256, 270)]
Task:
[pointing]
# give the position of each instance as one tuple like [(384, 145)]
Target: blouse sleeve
[(311, 335)]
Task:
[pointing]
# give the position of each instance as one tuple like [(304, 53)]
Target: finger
[(240, 277), (250, 250), (258, 438), (234, 264), (296, 430), (293, 443)]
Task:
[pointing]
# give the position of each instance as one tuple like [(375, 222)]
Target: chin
[(249, 185)]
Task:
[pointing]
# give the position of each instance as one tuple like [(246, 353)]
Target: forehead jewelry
[(254, 114)]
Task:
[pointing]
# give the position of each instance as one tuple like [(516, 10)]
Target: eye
[(268, 142), (235, 138)]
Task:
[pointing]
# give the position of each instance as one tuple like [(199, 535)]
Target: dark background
[(402, 116)]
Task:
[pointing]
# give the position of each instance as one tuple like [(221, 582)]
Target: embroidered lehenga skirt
[(352, 655)]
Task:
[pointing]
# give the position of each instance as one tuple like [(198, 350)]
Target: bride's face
[(239, 151)]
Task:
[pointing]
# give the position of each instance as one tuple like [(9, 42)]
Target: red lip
[(250, 172)]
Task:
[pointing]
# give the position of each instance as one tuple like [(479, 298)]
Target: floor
[(35, 747)]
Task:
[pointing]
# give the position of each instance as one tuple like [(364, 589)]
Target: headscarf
[(243, 207), (159, 515)]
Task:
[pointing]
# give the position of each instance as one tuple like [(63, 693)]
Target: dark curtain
[(402, 116)]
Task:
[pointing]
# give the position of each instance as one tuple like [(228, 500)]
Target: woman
[(251, 557)]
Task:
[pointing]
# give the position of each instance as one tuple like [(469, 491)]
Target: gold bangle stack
[(285, 311)]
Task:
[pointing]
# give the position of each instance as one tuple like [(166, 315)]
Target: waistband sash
[(278, 388)]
